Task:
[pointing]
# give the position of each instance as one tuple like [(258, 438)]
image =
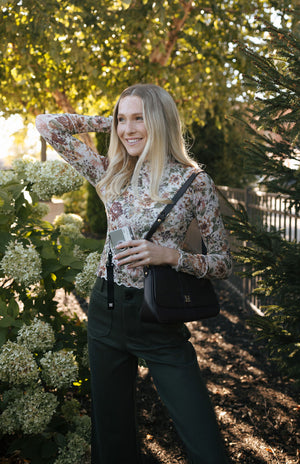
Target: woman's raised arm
[(58, 131)]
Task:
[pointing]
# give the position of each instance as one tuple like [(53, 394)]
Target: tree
[(72, 55), (275, 120), (218, 148)]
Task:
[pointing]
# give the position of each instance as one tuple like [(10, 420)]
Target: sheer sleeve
[(58, 131), (217, 262)]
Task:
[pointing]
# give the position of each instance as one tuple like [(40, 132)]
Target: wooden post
[(43, 149)]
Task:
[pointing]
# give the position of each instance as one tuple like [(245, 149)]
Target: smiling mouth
[(133, 141)]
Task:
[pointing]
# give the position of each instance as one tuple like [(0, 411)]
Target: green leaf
[(3, 335), (47, 251), (3, 308), (9, 321), (69, 260), (7, 218), (5, 237), (15, 189), (90, 244), (48, 449), (70, 275), (50, 266), (13, 308)]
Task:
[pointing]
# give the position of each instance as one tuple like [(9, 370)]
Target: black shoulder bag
[(171, 296)]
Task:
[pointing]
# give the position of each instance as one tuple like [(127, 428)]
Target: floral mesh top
[(138, 210)]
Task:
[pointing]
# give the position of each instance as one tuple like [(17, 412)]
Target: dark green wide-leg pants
[(117, 338)]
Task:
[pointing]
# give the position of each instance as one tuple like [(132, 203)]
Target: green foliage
[(86, 201), (23, 416), (218, 148), (84, 53), (276, 115), (37, 259), (275, 121), (95, 212), (75, 202)]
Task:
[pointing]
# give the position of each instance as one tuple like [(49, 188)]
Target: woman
[(147, 162)]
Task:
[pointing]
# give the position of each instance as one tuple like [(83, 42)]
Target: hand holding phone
[(120, 235)]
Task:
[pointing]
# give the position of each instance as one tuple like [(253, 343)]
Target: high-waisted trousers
[(117, 339)]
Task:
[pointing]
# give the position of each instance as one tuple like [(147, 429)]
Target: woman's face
[(131, 127)]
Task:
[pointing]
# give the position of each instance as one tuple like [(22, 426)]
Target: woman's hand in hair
[(145, 253)]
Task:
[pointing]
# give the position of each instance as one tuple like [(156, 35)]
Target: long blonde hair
[(164, 139)]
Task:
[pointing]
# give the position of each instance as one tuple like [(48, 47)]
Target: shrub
[(44, 351)]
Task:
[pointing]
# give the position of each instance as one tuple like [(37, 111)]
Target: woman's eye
[(139, 118), (120, 120)]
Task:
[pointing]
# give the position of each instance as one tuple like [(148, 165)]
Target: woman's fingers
[(143, 253), (138, 253)]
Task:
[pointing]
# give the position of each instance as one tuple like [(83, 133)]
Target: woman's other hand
[(145, 253)]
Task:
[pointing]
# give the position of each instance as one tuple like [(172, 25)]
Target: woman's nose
[(130, 127)]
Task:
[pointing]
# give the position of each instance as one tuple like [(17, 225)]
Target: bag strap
[(164, 213)]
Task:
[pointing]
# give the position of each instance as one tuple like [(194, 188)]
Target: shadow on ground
[(258, 411)]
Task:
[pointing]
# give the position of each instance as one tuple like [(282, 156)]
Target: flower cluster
[(7, 176), (17, 364), (30, 412), (22, 263), (68, 218), (69, 225), (74, 451), (40, 210), (21, 166), (71, 231), (27, 407), (49, 178), (77, 446), (86, 278), (59, 369), (37, 337), (79, 253), (85, 357)]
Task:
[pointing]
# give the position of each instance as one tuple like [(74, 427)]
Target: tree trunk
[(162, 51), (43, 149)]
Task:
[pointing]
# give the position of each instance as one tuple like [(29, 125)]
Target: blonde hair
[(164, 140)]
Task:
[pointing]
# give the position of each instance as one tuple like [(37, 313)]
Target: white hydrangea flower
[(70, 230), (7, 176), (35, 410), (85, 356), (59, 369), (38, 336), (68, 218), (21, 263), (83, 426), (40, 210), (21, 165), (17, 364), (30, 412), (53, 177), (79, 253), (74, 451), (9, 423), (86, 278), (11, 395)]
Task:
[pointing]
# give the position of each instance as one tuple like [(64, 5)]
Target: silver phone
[(120, 235)]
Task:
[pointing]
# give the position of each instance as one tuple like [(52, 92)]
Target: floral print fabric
[(137, 210)]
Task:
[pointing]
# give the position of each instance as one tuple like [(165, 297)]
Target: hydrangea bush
[(48, 178), (86, 278), (22, 263), (38, 258), (33, 398), (43, 352)]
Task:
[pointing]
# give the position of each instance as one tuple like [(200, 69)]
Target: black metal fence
[(269, 209)]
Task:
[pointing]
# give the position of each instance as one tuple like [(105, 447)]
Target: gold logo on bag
[(187, 299)]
